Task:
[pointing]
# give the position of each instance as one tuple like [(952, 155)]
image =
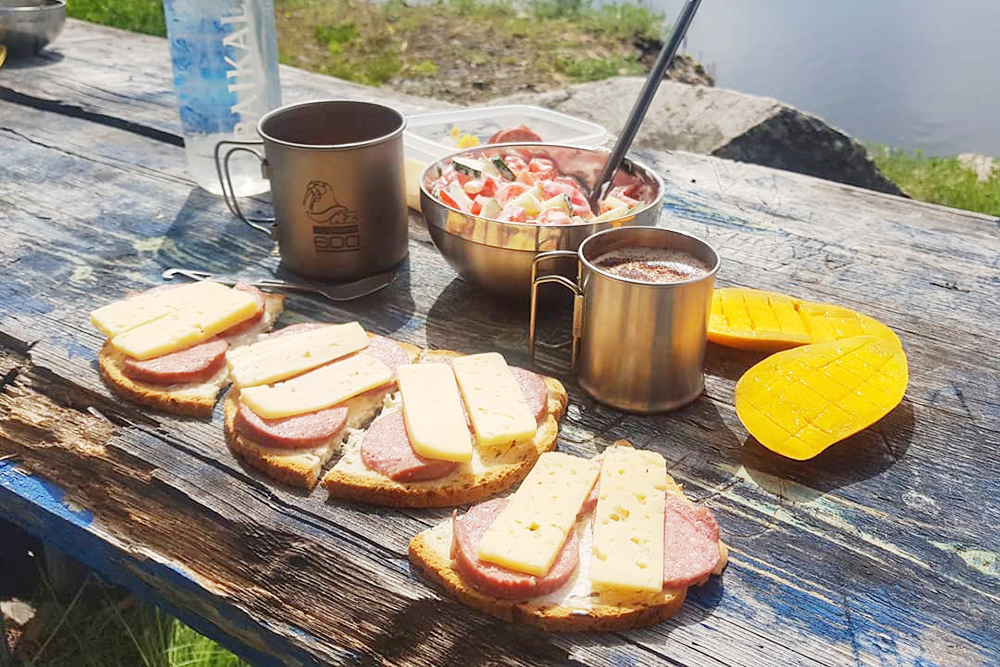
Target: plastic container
[(428, 136), (225, 60)]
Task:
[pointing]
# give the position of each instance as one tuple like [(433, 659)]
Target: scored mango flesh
[(749, 319), (800, 401)]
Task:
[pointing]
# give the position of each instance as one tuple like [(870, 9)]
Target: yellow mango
[(749, 319), (800, 401)]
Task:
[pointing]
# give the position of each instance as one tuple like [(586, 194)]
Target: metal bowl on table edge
[(28, 27), (497, 255)]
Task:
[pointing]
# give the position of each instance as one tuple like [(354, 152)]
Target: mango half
[(800, 401), (749, 319)]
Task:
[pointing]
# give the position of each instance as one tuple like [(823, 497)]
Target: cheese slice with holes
[(529, 533), (628, 521), (194, 323), (432, 411), (494, 400), (282, 357), (320, 388), (120, 316)]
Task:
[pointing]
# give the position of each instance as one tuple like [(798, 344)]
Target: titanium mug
[(638, 346), (336, 172)]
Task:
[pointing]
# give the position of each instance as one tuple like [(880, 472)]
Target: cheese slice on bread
[(571, 595), (183, 371)]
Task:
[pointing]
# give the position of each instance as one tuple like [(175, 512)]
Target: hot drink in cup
[(652, 265)]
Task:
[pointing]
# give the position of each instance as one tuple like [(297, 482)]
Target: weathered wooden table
[(882, 551)]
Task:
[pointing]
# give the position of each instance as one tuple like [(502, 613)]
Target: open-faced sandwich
[(609, 543), (416, 428), (167, 346)]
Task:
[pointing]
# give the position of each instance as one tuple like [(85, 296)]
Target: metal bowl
[(28, 26), (497, 255)]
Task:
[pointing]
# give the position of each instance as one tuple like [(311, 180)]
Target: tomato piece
[(543, 167), (513, 213), (515, 164), (553, 216), (489, 187), (583, 210), (508, 191), (462, 178), (473, 186), (527, 177), (448, 199)]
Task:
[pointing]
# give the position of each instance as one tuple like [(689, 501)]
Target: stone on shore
[(983, 166), (723, 123)]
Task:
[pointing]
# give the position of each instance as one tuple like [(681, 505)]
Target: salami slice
[(535, 392), (302, 327), (195, 364), (500, 581), (254, 319), (298, 432), (514, 134), (386, 449), (388, 351), (690, 543)]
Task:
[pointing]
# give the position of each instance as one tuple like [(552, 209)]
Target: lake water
[(907, 73)]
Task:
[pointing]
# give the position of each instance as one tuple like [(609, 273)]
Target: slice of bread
[(196, 399), (302, 467), (489, 473), (570, 609)]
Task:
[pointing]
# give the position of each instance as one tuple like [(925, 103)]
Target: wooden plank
[(818, 548)]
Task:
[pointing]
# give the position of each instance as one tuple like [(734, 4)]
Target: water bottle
[(225, 59)]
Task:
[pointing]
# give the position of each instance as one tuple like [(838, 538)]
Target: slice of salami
[(590, 504), (388, 351), (254, 319), (195, 364), (301, 327), (690, 543), (298, 432), (500, 581), (514, 134), (386, 449), (535, 392)]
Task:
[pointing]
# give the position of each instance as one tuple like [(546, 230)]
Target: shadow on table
[(43, 59), (859, 457)]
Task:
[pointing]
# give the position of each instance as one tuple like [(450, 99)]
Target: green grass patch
[(144, 16), (939, 180), (595, 69)]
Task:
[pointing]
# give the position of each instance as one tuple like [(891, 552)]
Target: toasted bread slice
[(302, 467), (196, 399), (488, 474), (570, 609)]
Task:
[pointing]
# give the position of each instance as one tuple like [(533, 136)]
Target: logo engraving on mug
[(336, 228)]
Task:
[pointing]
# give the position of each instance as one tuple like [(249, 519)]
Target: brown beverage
[(652, 265)]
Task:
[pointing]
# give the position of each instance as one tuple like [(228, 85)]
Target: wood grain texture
[(881, 551)]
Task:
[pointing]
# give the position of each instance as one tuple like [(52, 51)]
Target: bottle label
[(243, 71)]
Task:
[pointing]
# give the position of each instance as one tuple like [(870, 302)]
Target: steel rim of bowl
[(518, 226), (48, 5)]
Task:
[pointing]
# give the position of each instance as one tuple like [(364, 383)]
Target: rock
[(17, 612), (983, 165), (724, 123)]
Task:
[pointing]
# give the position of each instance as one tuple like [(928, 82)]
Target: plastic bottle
[(225, 59)]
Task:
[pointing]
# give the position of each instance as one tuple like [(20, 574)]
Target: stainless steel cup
[(638, 346), (336, 172)]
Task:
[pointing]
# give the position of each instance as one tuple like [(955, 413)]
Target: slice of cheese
[(190, 325), (628, 521), (495, 402), (320, 388), (529, 533), (282, 357), (432, 410), (120, 316)]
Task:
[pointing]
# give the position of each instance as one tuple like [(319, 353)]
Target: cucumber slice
[(619, 212), (502, 167), (529, 203), (491, 209), (471, 168), (458, 194), (559, 201), (613, 202), (537, 192)]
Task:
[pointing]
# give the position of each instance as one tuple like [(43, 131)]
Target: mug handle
[(577, 306), (225, 179)]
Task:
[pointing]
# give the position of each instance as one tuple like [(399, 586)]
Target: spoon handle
[(642, 103)]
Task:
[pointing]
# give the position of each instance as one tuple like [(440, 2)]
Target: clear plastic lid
[(429, 136)]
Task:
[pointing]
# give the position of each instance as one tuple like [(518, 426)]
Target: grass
[(144, 16), (103, 627), (939, 180)]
